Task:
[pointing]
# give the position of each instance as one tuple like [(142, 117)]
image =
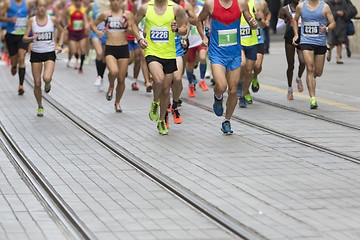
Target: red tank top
[(130, 8), (226, 16)]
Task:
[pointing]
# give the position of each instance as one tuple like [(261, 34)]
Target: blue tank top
[(312, 21), (260, 35), (225, 31), (21, 12)]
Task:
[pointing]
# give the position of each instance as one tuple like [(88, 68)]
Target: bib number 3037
[(159, 34)]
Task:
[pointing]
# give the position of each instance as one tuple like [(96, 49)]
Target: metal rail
[(44, 190), (284, 135)]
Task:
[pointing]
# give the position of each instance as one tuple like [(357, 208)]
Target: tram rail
[(57, 207)]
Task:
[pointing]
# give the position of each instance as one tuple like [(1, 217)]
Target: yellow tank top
[(248, 36), (160, 38)]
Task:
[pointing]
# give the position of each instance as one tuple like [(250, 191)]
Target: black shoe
[(339, 62), (109, 96)]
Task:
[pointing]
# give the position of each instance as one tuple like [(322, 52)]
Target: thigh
[(219, 75), (98, 46), (111, 64), (156, 70), (49, 67), (122, 65), (233, 79), (36, 69), (309, 58)]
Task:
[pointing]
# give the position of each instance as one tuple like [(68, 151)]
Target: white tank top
[(194, 36), (45, 40)]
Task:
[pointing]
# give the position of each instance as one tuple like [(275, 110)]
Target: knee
[(318, 73), (113, 72), (232, 92), (221, 87), (290, 67)]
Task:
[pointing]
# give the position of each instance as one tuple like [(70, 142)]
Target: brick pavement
[(280, 188)]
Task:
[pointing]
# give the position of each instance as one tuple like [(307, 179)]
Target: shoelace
[(155, 108), (177, 114)]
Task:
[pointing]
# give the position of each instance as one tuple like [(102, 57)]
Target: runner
[(159, 45), (287, 13), (77, 30), (99, 45), (225, 50), (43, 50), (249, 47), (134, 50), (260, 51), (17, 12), (196, 50), (116, 49), (315, 14)]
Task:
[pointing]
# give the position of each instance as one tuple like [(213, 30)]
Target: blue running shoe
[(218, 107), (242, 102), (226, 127)]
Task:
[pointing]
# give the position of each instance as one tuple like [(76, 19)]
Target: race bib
[(20, 26), (45, 36), (227, 37), (194, 31), (311, 29), (159, 34), (258, 33), (101, 27), (245, 31), (78, 24)]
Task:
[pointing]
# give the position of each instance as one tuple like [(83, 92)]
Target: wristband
[(140, 40)]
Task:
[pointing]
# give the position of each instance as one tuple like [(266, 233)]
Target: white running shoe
[(102, 85), (97, 81)]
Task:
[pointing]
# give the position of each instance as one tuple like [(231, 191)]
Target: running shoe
[(248, 98), (218, 106), (167, 119), (109, 94), (313, 103), (80, 71), (242, 102), (47, 87), (255, 86), (101, 86), (300, 86), (154, 111), (98, 81), (290, 95), (191, 92), (134, 87), (176, 115), (226, 127), (163, 130), (40, 112), (21, 90), (117, 108), (148, 87), (203, 85)]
